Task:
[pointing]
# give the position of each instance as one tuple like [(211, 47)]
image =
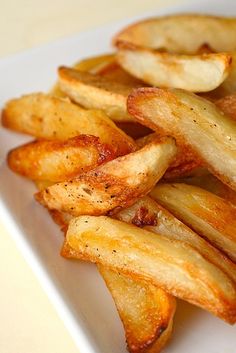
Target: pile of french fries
[(154, 210)]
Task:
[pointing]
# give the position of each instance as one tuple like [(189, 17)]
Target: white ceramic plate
[(76, 289)]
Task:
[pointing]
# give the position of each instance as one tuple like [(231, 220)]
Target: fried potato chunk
[(209, 215), (96, 92), (48, 117), (196, 73), (170, 264), (194, 122), (146, 311), (59, 160), (149, 214), (183, 33), (116, 184)]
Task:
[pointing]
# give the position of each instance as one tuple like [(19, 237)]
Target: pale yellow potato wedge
[(149, 214), (229, 84), (115, 184), (209, 215), (183, 33), (146, 311), (59, 160), (44, 116), (173, 265), (92, 64), (194, 122), (196, 73), (184, 163), (96, 92)]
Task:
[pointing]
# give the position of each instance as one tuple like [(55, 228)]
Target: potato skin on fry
[(145, 310), (116, 184), (194, 122), (170, 264), (47, 117), (183, 33), (209, 215), (59, 160)]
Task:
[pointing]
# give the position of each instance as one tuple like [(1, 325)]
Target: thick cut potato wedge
[(228, 105), (196, 73), (194, 122), (96, 92), (48, 117), (146, 311), (184, 162), (184, 33), (149, 214), (173, 265), (116, 184), (59, 160), (209, 215)]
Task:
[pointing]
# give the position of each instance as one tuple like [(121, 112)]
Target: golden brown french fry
[(183, 33), (92, 64), (146, 311), (173, 265), (209, 215), (184, 163), (194, 122), (48, 117), (116, 184), (196, 73), (59, 160), (96, 92), (228, 105), (149, 214)]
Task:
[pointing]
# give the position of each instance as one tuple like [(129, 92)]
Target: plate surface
[(75, 288)]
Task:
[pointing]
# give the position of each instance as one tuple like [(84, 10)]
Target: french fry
[(42, 184), (184, 162), (170, 264), (146, 311), (96, 92), (116, 184), (209, 215), (149, 214), (48, 117), (196, 73), (194, 122), (183, 33), (59, 160)]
